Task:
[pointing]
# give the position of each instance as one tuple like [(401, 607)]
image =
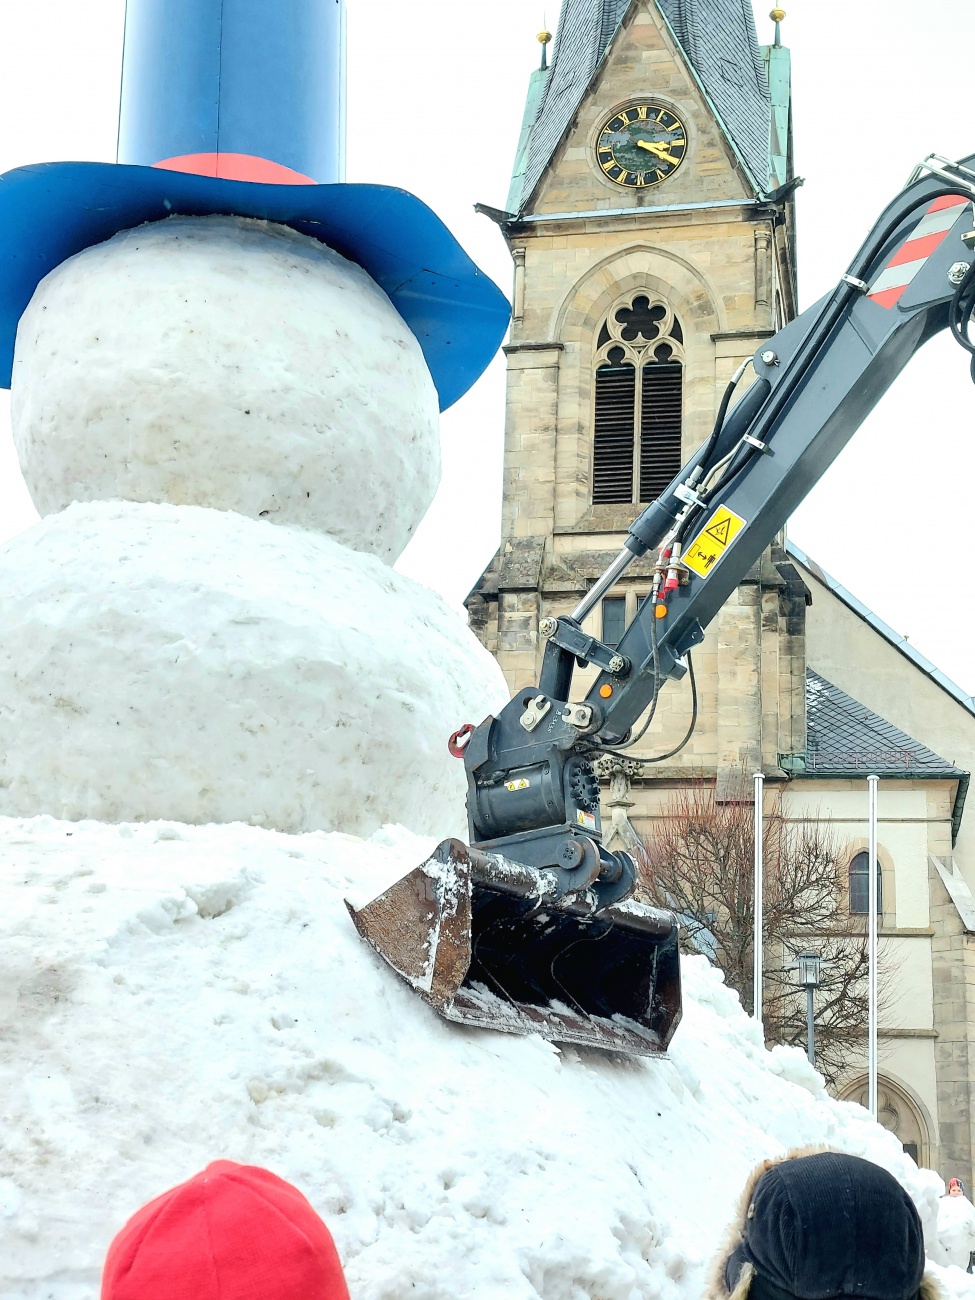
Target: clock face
[(641, 145)]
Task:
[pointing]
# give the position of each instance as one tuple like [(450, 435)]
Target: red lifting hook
[(459, 740)]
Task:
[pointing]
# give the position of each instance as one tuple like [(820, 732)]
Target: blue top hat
[(237, 107)]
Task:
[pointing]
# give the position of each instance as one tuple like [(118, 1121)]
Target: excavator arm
[(816, 381), (544, 937)]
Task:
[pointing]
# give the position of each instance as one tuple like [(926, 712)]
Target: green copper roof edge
[(536, 84), (778, 72)]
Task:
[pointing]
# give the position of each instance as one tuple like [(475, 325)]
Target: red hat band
[(239, 89)]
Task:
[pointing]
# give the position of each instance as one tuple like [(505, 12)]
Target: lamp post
[(810, 964)]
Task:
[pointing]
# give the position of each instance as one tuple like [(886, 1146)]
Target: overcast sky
[(436, 90)]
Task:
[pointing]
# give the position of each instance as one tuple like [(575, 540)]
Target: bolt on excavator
[(533, 928)]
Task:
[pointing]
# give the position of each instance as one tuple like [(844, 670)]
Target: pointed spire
[(544, 36), (778, 71), (536, 87)]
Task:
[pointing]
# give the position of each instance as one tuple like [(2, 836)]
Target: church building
[(651, 227)]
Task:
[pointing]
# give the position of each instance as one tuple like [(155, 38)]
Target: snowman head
[(230, 363)]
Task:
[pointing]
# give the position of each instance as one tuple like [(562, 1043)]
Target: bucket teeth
[(483, 942)]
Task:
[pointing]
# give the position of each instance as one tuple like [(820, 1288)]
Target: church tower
[(651, 225)]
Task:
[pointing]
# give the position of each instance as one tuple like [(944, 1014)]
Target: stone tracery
[(638, 400)]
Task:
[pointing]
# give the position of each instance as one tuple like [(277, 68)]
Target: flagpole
[(759, 891), (873, 783)]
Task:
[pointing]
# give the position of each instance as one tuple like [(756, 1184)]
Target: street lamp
[(810, 964)]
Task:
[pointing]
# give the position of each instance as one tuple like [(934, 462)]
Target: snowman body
[(956, 1231), (212, 633)]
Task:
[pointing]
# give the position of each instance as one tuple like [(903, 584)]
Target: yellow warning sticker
[(712, 542), (585, 819), (520, 784)]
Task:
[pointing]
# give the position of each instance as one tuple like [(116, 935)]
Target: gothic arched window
[(860, 885), (639, 373)]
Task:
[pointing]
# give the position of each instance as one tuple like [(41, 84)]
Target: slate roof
[(845, 738), (719, 41), (585, 29), (719, 38)]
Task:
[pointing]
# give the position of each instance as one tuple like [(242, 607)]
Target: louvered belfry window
[(638, 402)]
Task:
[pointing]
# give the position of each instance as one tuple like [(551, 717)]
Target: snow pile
[(956, 1231), (171, 662), (171, 994), (230, 363)]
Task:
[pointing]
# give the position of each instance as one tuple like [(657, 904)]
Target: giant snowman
[(231, 428), (225, 396)]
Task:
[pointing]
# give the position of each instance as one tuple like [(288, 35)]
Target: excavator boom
[(532, 929)]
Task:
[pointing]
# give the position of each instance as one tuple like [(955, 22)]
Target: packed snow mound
[(956, 1231), (167, 661), (231, 363), (175, 994)]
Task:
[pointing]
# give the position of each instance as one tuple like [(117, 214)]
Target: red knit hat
[(234, 1232)]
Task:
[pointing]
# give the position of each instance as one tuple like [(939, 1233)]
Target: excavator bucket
[(476, 936)]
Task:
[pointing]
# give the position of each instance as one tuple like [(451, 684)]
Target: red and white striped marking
[(929, 232)]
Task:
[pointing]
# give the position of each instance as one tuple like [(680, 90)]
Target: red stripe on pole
[(235, 167), (888, 297), (915, 249)]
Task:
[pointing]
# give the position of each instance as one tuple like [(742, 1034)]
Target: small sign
[(585, 819), (710, 544), (520, 784)]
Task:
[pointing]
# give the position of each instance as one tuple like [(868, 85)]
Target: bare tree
[(699, 861)]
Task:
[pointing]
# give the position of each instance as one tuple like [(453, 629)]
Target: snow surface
[(230, 363), (171, 994), (956, 1231), (174, 662)]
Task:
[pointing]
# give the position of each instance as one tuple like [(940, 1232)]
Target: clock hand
[(649, 144), (661, 150)]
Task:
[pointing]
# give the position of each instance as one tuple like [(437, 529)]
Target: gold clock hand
[(661, 150)]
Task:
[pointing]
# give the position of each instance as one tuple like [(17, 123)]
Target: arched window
[(860, 885), (898, 1114), (639, 400)]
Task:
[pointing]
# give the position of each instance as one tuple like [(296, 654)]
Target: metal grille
[(660, 454), (613, 435)]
